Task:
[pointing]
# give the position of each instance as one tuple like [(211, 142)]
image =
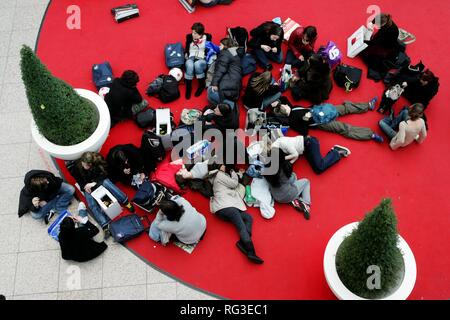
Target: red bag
[(165, 175)]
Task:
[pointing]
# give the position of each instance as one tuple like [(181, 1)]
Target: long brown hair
[(94, 159), (415, 111), (261, 83)]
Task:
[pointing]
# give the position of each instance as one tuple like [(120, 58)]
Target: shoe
[(306, 210), (343, 151), (268, 67), (372, 103), (49, 216), (255, 259), (249, 250), (377, 138), (381, 110), (130, 207), (188, 89), (81, 206)]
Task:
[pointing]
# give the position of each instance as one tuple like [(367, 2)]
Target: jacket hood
[(33, 173)]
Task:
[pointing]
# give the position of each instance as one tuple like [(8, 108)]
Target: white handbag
[(355, 43)]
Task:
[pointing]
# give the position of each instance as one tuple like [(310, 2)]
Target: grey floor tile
[(122, 268), (7, 4), (40, 296), (30, 3), (162, 291), (21, 37), (95, 294), (37, 272), (2, 69), (154, 276), (31, 20), (9, 195), (138, 292), (39, 159), (9, 234), (4, 42), (15, 128), (8, 263), (13, 98), (80, 276), (6, 19), (14, 160), (186, 293), (12, 70), (34, 236)]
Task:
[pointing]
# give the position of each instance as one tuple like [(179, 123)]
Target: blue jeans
[(390, 126), (195, 67), (99, 216), (154, 232), (263, 57), (60, 203), (293, 60), (214, 98), (304, 189), (312, 153)]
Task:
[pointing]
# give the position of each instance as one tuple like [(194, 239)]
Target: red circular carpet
[(416, 178)]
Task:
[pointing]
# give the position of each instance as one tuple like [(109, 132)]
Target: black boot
[(201, 87), (251, 254), (188, 89)]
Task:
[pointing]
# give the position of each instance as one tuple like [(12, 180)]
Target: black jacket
[(189, 40), (79, 246), (386, 37), (315, 86), (27, 193), (228, 74), (416, 93), (251, 99), (83, 177), (120, 98), (231, 121), (135, 163), (260, 36)]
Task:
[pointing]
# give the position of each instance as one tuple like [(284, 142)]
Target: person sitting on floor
[(293, 147), (261, 91), (411, 127), (76, 242), (227, 78), (125, 164), (285, 187), (90, 172), (123, 98), (221, 117), (422, 89), (195, 176), (301, 46), (228, 205), (315, 83), (300, 119), (178, 218), (266, 42), (195, 52), (44, 194)]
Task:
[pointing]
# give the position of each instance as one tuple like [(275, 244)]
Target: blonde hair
[(261, 83)]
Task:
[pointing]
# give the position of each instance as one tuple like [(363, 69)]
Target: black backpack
[(152, 149), (347, 77), (240, 35), (169, 89), (146, 118)]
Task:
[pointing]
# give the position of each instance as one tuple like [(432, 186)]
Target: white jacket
[(292, 146)]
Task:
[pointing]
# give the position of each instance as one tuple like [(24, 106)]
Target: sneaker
[(297, 205), (372, 103), (130, 207), (255, 259), (377, 138), (81, 206), (381, 110), (49, 216), (306, 210), (343, 151)]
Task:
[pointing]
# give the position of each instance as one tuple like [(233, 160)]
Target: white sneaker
[(81, 206)]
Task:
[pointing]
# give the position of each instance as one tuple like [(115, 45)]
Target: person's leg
[(349, 107), (386, 126), (261, 57), (200, 68), (189, 72), (312, 153), (64, 198), (116, 192), (269, 100), (290, 58), (99, 216), (275, 57), (154, 232), (248, 221), (43, 211), (347, 130), (402, 116), (213, 96), (233, 215), (386, 104), (304, 190)]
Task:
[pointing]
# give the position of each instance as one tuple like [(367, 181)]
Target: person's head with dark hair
[(171, 210), (120, 159), (319, 64), (415, 111), (284, 166), (38, 183), (274, 31), (198, 30), (383, 20), (426, 77), (227, 43), (90, 159), (222, 109), (67, 226), (309, 34), (129, 78)]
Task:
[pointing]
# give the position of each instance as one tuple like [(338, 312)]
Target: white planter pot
[(93, 143), (339, 289)]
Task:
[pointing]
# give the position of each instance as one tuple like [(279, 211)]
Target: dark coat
[(190, 39), (27, 193), (79, 246), (231, 121), (416, 93), (315, 86), (260, 36), (228, 74), (83, 177), (383, 46), (120, 98), (135, 163), (253, 100)]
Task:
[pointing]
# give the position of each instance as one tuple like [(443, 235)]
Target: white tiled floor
[(31, 266)]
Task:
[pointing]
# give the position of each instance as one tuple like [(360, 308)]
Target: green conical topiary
[(61, 115), (373, 243)]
